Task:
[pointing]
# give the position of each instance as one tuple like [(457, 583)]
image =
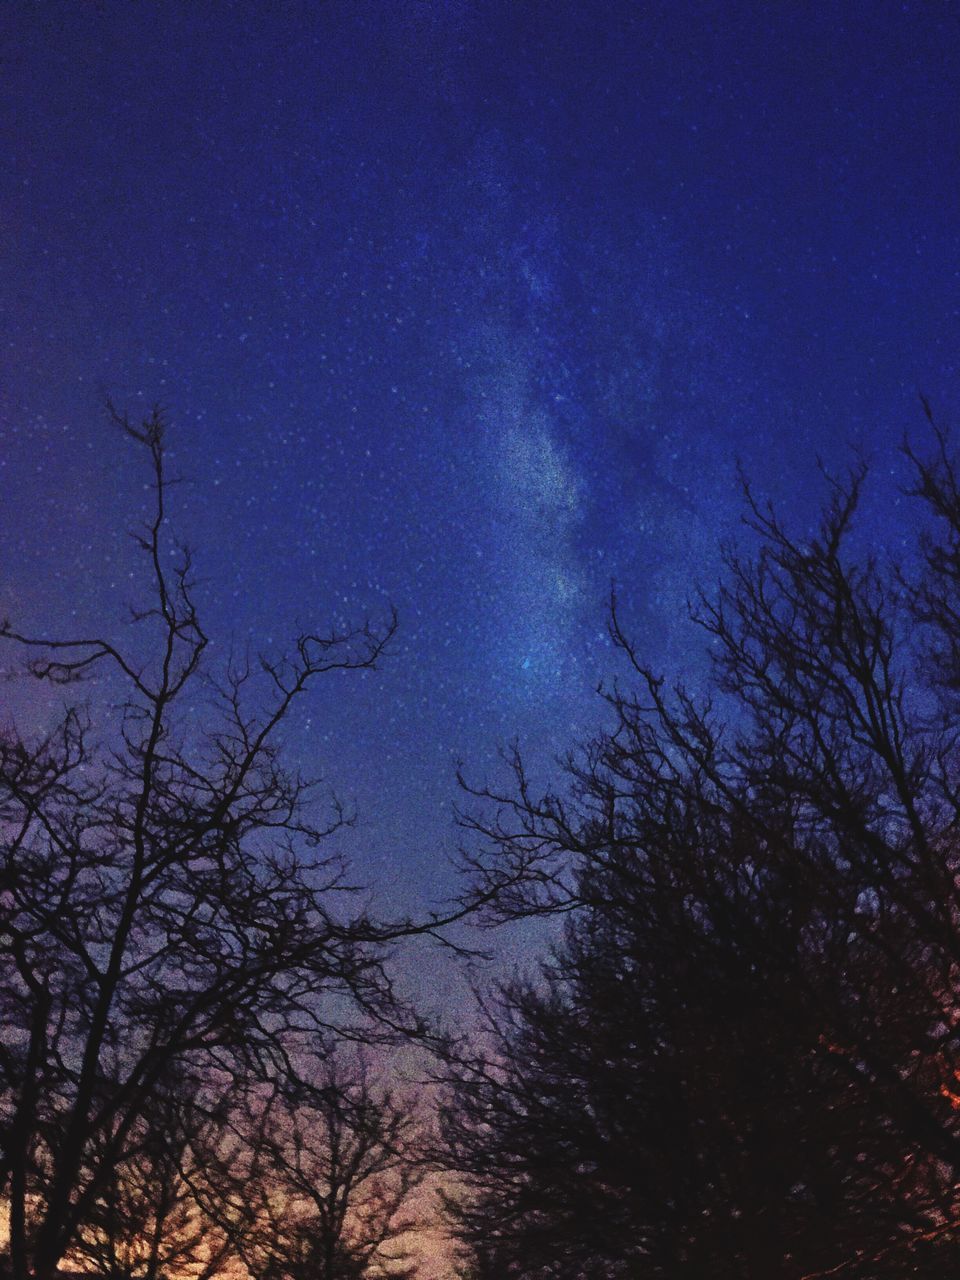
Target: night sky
[(467, 307)]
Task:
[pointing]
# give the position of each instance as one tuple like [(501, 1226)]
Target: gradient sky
[(470, 307)]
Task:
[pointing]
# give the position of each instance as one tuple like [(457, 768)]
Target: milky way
[(467, 308)]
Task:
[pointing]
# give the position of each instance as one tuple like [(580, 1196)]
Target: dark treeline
[(740, 1060)]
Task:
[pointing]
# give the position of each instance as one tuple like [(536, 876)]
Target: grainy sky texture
[(471, 307)]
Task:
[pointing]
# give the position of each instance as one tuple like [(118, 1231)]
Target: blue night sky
[(468, 307)]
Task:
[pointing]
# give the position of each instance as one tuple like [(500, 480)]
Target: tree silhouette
[(169, 909), (742, 1059), (151, 1218), (342, 1160)]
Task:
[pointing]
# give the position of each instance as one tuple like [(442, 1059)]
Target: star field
[(468, 308)]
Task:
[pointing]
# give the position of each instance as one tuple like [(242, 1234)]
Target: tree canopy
[(742, 1058)]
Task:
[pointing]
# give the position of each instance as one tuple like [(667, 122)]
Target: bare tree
[(169, 1207), (168, 906), (762, 888), (343, 1160)]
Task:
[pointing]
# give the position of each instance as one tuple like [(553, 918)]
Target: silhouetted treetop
[(743, 1057), (173, 921)]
